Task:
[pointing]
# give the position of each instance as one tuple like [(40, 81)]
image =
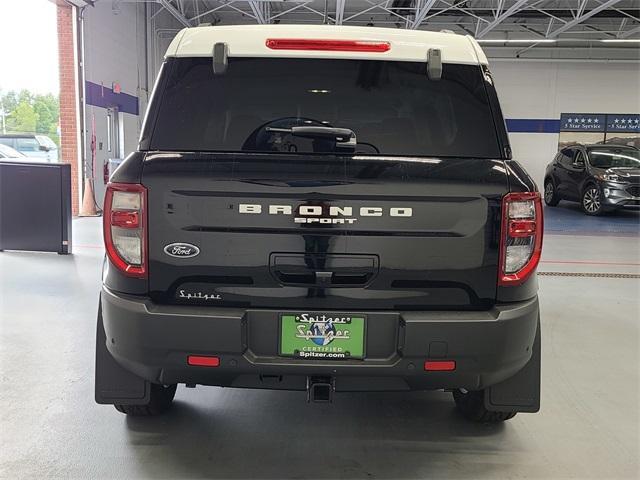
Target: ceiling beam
[(623, 25), (456, 7), (625, 13), (375, 6), (582, 18), (340, 4), (628, 33), (529, 29), (258, 13), (421, 13), (518, 5), (362, 12), (289, 10), (581, 7), (215, 9), (175, 12), (549, 26), (463, 28)]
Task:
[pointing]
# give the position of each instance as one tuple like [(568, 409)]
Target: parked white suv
[(32, 145), (11, 155)]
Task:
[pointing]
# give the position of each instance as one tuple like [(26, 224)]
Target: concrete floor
[(588, 427)]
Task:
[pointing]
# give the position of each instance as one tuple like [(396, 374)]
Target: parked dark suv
[(600, 177)]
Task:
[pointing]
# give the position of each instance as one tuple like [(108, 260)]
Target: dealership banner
[(623, 123), (599, 128), (582, 122), (599, 122)]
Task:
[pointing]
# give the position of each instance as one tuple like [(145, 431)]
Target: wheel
[(471, 405), (592, 200), (160, 401), (550, 195)]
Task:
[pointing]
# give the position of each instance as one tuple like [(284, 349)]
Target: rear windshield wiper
[(344, 137)]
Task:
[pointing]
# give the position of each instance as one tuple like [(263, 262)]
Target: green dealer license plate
[(322, 335)]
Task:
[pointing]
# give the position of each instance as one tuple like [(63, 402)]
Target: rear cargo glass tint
[(392, 107)]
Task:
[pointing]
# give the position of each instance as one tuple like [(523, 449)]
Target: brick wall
[(68, 97)]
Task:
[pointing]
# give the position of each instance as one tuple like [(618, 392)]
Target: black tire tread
[(471, 406), (160, 400)]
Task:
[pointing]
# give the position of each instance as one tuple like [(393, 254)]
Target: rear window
[(392, 107)]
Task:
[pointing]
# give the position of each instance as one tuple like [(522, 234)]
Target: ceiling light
[(621, 40)]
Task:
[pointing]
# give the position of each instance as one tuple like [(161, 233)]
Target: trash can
[(35, 206)]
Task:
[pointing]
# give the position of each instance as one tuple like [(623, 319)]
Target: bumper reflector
[(202, 361), (439, 365)]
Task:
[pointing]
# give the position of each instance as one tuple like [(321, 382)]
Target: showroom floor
[(588, 427)]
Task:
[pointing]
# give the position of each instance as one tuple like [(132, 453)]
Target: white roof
[(250, 41)]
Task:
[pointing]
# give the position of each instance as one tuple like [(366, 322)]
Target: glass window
[(27, 145), (566, 156), (8, 152), (612, 157), (46, 141), (8, 141), (392, 107)]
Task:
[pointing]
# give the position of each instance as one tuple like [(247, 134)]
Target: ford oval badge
[(181, 250)]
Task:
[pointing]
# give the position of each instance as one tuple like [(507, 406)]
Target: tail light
[(125, 221), (521, 237), (328, 45)]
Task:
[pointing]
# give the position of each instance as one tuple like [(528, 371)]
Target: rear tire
[(160, 400), (471, 406), (550, 195)]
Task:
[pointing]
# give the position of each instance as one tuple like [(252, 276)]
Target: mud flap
[(114, 384), (520, 393)]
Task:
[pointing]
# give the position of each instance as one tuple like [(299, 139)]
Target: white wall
[(114, 46), (544, 90)]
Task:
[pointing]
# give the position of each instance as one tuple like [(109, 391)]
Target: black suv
[(600, 177), (301, 214)]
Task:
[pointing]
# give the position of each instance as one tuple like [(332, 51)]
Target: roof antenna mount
[(220, 58), (434, 64)]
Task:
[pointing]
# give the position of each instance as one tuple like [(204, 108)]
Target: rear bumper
[(153, 342)]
